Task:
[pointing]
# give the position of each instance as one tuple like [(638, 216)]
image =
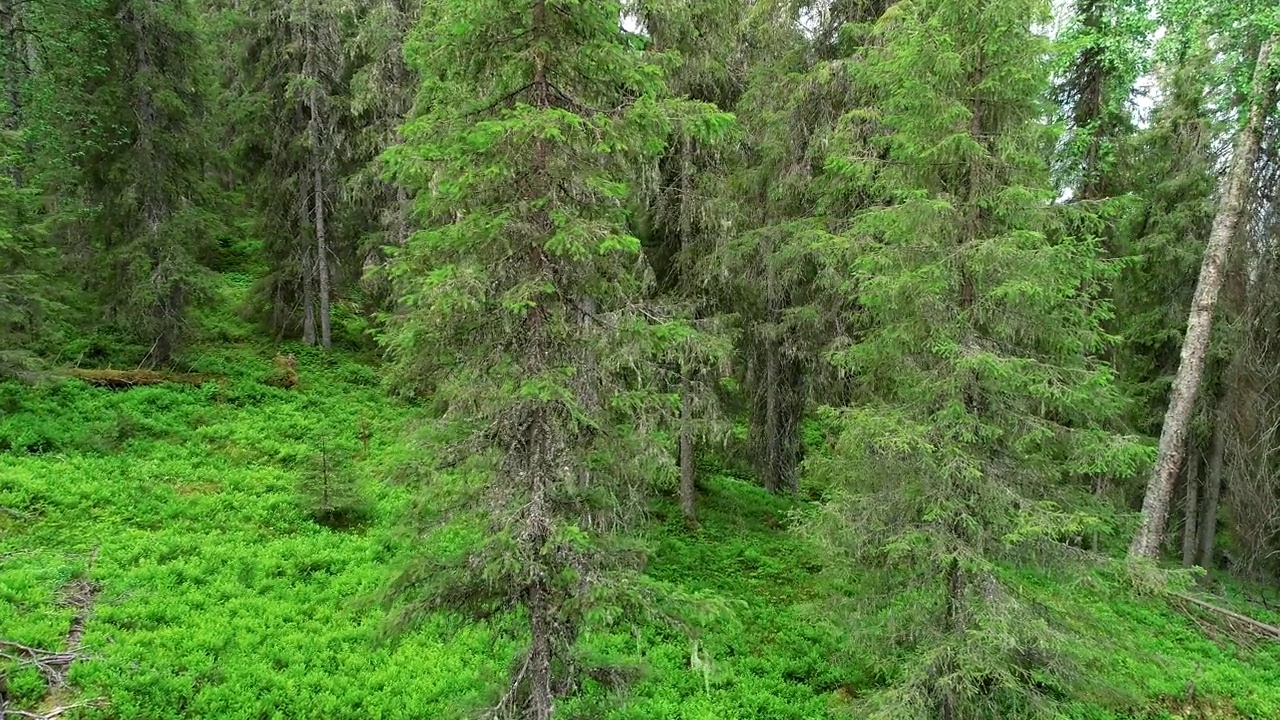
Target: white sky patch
[(631, 23)]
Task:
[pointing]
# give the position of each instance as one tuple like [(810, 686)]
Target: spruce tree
[(521, 307), (294, 85), (685, 219), (381, 96), (23, 261), (1105, 46), (147, 173), (774, 267), (975, 393), (18, 285)]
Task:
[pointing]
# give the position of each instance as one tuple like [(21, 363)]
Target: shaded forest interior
[(544, 359)]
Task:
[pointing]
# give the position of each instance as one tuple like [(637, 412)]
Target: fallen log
[(135, 378), (1257, 626)]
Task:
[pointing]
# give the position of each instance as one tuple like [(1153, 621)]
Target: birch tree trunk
[(1186, 385)]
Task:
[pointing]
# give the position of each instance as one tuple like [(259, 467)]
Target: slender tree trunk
[(1191, 504), (541, 698), (318, 185), (1186, 385), (322, 262), (688, 491), (538, 456), (1213, 485), (772, 429), (401, 236), (308, 299), (167, 291), (773, 405)]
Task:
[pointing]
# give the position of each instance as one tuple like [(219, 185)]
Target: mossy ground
[(222, 598)]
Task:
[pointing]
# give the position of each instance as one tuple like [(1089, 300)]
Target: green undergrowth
[(222, 594)]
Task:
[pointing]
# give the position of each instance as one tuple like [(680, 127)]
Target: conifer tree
[(23, 261), (1105, 46), (295, 73), (147, 174), (382, 94), (685, 219), (17, 243), (521, 305), (975, 392), (1247, 428), (774, 265)]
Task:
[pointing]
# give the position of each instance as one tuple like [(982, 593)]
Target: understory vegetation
[(219, 592)]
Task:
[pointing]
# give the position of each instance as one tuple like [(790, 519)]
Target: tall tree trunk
[(166, 289), (401, 235), (318, 185), (537, 459), (1186, 385), (322, 262), (1190, 507), (773, 404), (1213, 485), (772, 421), (544, 459), (688, 491)]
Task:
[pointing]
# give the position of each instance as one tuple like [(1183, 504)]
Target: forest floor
[(168, 520)]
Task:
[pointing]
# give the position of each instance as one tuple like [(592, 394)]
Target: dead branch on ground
[(1242, 627)]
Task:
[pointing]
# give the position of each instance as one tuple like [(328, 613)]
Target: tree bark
[(308, 300), (1190, 507), (1186, 385), (772, 431), (318, 185), (688, 491), (1213, 487), (322, 262)]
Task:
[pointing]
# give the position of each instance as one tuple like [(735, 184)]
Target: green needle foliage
[(522, 309), (156, 207), (976, 395), (23, 257)]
